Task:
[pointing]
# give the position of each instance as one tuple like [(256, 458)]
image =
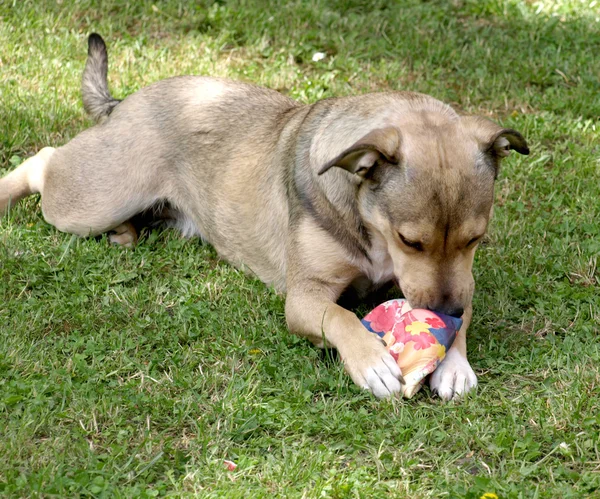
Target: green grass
[(136, 373)]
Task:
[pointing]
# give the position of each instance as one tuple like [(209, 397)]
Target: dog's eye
[(411, 244), (473, 241)]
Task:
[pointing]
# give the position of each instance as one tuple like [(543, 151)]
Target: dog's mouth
[(402, 293), (455, 313)]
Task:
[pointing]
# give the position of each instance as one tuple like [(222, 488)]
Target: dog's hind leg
[(28, 178), (124, 235), (80, 197), (90, 205)]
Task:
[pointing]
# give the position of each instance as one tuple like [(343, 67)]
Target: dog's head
[(428, 189)]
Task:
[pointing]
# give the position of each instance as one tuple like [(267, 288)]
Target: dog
[(316, 199)]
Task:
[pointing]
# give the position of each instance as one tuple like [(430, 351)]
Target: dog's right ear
[(495, 139), (380, 144)]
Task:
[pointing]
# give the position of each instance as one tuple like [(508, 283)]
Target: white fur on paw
[(382, 377), (372, 367), (126, 239), (453, 377)]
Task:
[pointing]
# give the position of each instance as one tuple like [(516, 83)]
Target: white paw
[(453, 377), (373, 368)]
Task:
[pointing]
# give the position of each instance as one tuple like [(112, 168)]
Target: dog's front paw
[(372, 367), (453, 377)]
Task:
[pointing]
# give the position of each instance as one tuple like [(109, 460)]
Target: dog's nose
[(452, 311)]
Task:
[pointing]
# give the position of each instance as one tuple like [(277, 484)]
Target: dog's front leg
[(311, 312), (454, 376)]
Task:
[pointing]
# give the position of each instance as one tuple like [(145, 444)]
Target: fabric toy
[(418, 339)]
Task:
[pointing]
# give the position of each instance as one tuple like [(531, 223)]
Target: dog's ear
[(494, 139), (362, 156)]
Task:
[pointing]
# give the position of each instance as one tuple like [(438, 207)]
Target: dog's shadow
[(361, 303)]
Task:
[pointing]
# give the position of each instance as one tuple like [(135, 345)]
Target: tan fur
[(27, 179), (311, 199), (124, 235)]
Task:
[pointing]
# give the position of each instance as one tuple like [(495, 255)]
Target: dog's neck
[(379, 267)]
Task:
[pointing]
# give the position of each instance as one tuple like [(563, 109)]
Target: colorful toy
[(417, 338)]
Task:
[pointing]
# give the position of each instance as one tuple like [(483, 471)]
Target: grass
[(136, 373)]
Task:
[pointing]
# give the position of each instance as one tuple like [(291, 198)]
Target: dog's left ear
[(494, 139), (362, 156)]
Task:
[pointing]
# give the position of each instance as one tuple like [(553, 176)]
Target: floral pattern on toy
[(418, 339)]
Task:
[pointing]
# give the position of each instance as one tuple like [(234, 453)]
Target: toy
[(417, 338)]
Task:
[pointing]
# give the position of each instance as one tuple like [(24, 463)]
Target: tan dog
[(312, 199)]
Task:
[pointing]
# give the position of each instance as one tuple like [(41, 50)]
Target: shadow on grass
[(503, 54)]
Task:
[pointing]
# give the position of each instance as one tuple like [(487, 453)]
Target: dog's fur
[(312, 199)]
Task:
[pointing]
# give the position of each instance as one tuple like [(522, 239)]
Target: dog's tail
[(97, 100)]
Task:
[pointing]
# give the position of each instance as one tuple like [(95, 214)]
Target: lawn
[(136, 373)]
